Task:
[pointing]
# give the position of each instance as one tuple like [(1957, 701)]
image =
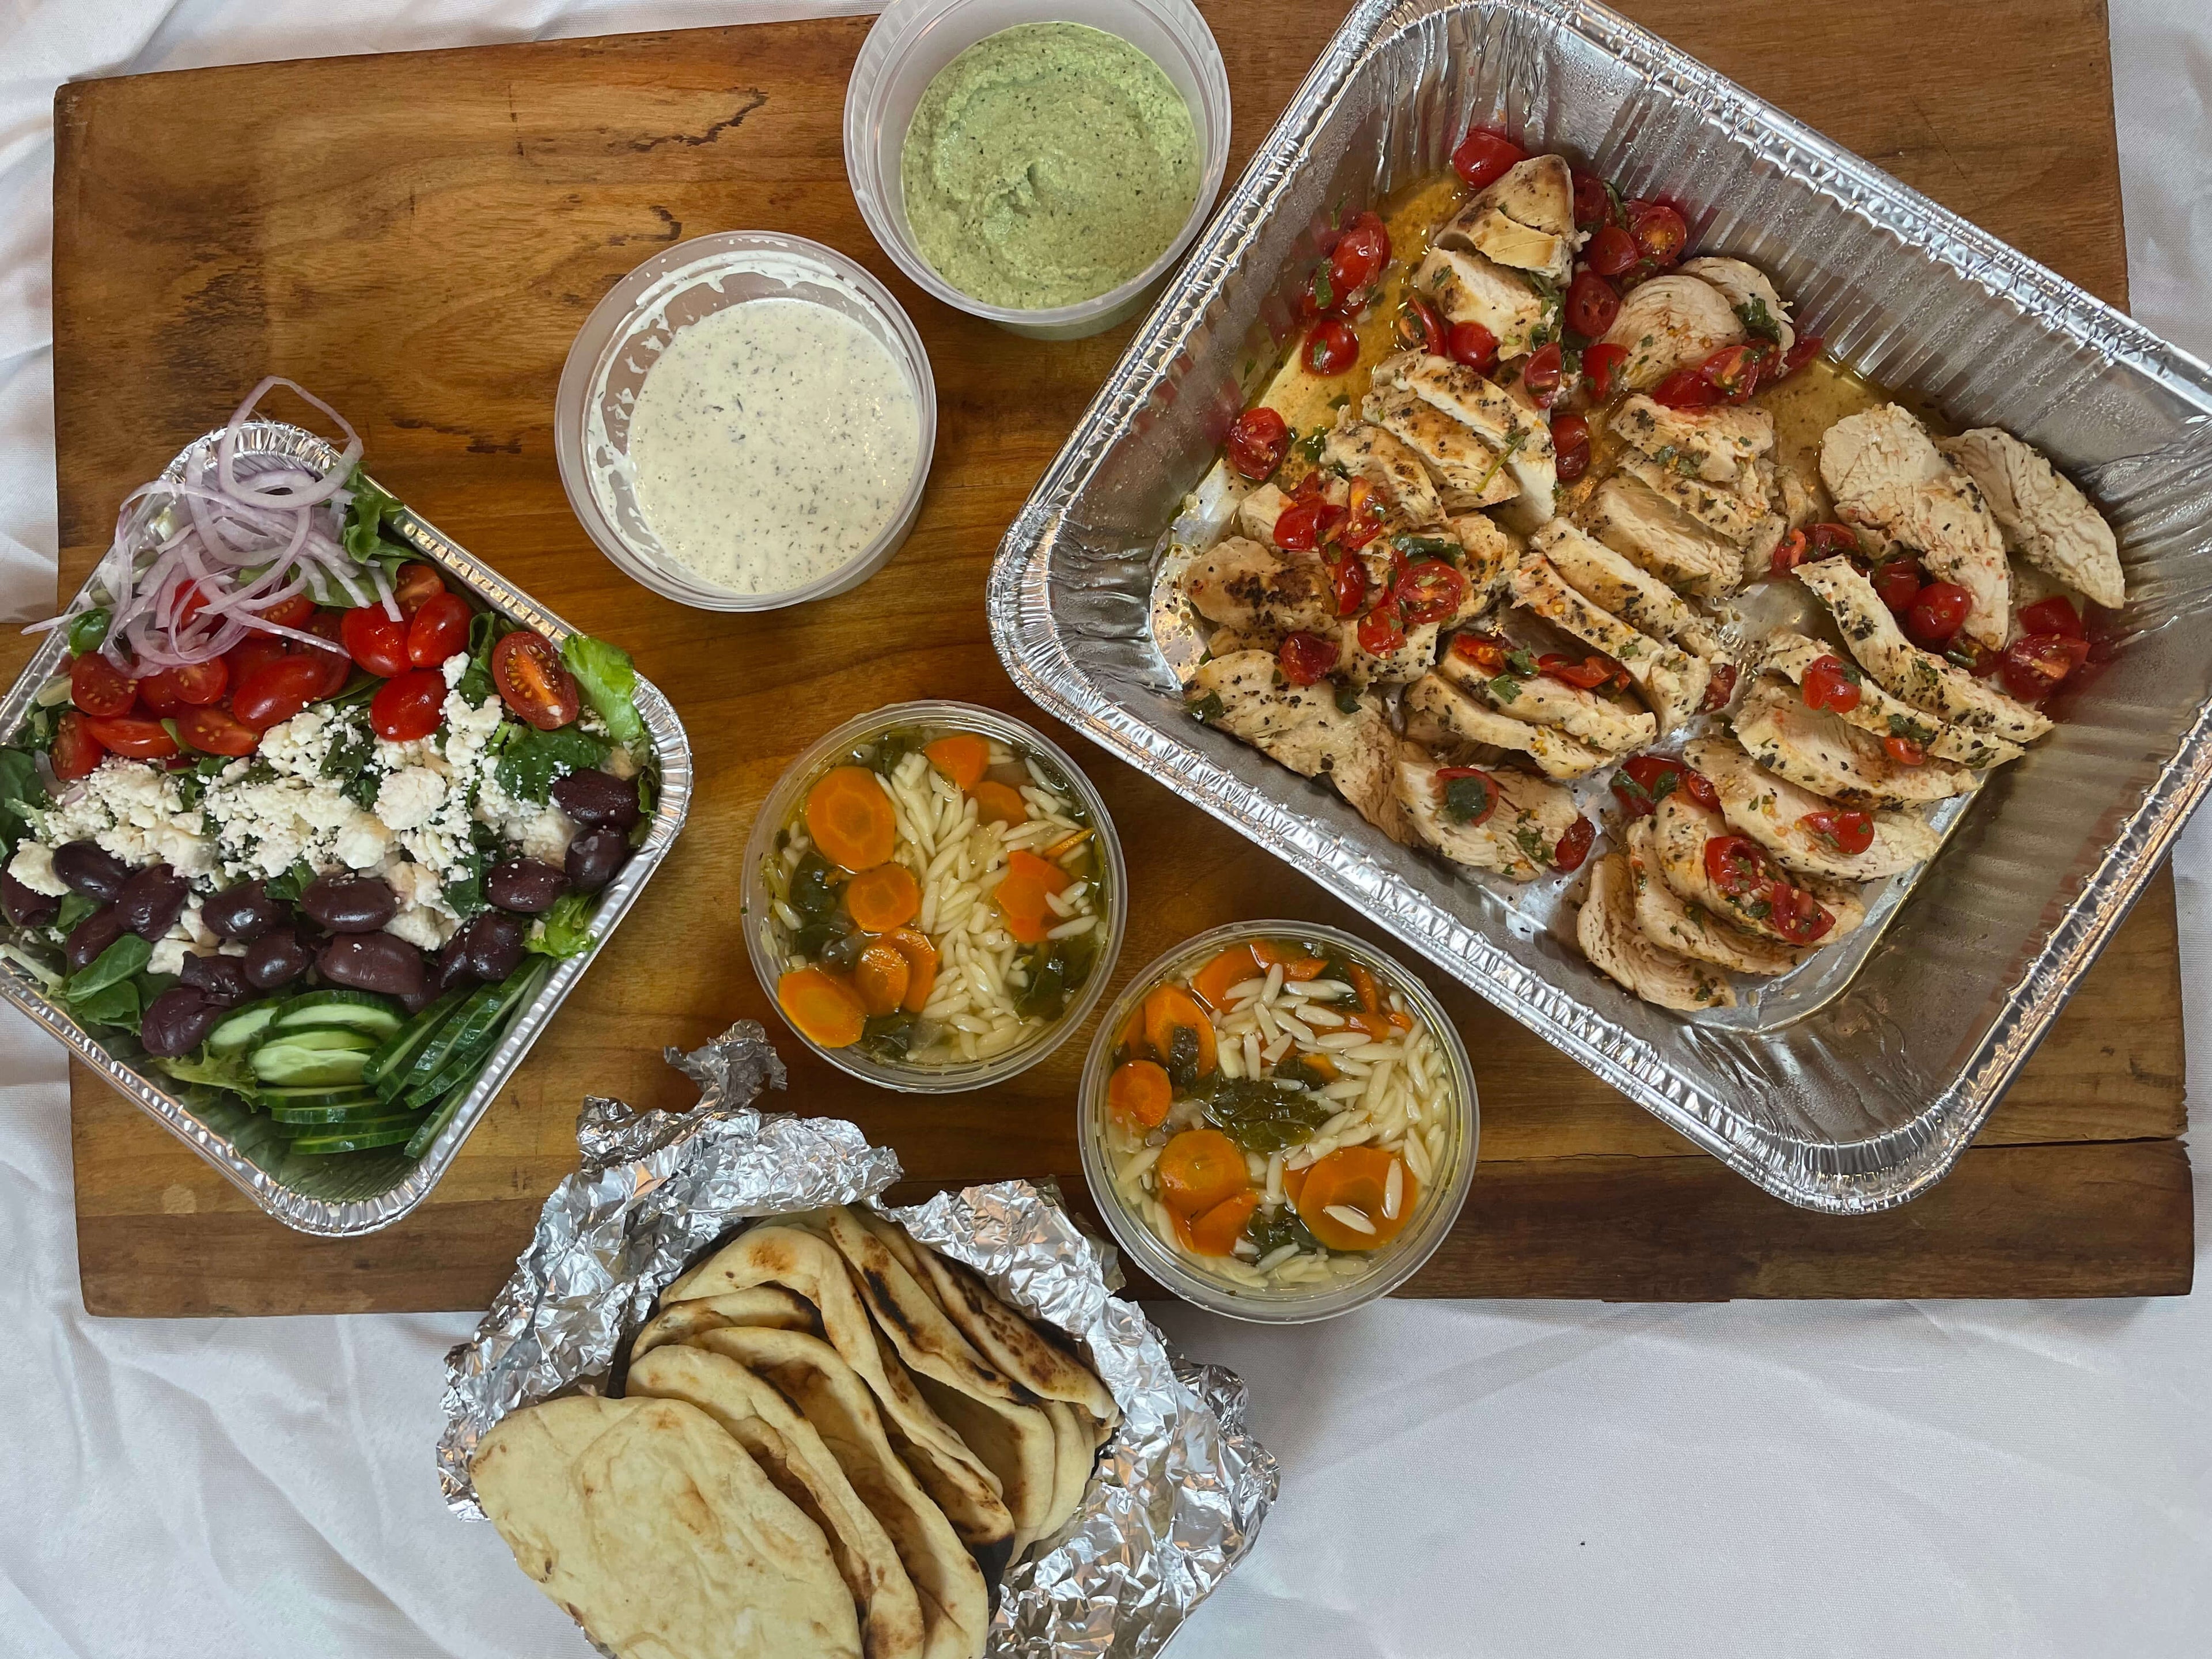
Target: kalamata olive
[(529, 885), (25, 907), (151, 902), (91, 936), (242, 912), (492, 946), (598, 800), (351, 904), (276, 958), (594, 858), (91, 869), (373, 961), (222, 978), (178, 1021)]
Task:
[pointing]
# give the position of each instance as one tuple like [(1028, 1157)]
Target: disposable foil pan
[(360, 1192), (1847, 1097)]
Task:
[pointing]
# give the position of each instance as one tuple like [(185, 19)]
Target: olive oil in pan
[(772, 442)]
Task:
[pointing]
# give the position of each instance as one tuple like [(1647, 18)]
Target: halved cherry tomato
[(1484, 652), (1571, 445), (1351, 578), (1601, 362), (1428, 591), (415, 586), (1660, 233), (1447, 775), (1573, 848), (1733, 371), (272, 694), (2055, 615), (1831, 683), (374, 639), (98, 687), (1592, 201), (1905, 751), (1612, 250), (1789, 553), (1896, 583), (1937, 611), (1975, 657), (199, 685), (2036, 664), (218, 731), (1796, 914), (1305, 524), (77, 752), (532, 681), (291, 612), (1540, 374), (333, 666), (1419, 328), (1591, 672), (409, 706), (1842, 831), (1685, 388), (438, 628), (1720, 687), (1473, 344), (1363, 515), (1484, 156), (1357, 260), (1644, 780), (139, 739), (1806, 348), (1826, 540), (1382, 630), (187, 602), (1257, 443), (1306, 658), (254, 651), (1332, 348), (1739, 866), (157, 691), (1592, 304)]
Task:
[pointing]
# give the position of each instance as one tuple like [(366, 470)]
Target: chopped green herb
[(1468, 799)]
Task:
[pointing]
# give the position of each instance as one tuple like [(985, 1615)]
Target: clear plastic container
[(623, 337), (765, 933), (914, 39), (1437, 1208)]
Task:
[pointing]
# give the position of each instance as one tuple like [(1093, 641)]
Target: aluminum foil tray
[(360, 1192), (1856, 1094)]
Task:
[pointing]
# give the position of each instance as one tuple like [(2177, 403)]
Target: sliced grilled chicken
[(1800, 498), (1680, 829), (1539, 192), (1903, 669), (1885, 472), (1494, 415), (1612, 583), (1542, 701), (1607, 928), (1469, 474), (1256, 514), (1306, 731), (1730, 514), (1466, 287), (1773, 811), (1744, 286), (1635, 520), (1791, 654), (1409, 661), (1490, 554), (1673, 681), (1506, 240), (2041, 515), (1517, 840), (1813, 750), (1468, 719), (1665, 917), (1370, 453), (1253, 589), (1669, 323), (1715, 445)]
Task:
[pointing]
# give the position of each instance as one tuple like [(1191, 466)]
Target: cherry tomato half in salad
[(409, 706), (1350, 578), (1796, 914), (414, 586), (1592, 304), (2035, 665), (218, 731), (157, 692), (1685, 388), (1306, 658), (1659, 231), (1644, 780), (1588, 675), (1542, 374), (1806, 348), (1611, 251), (2055, 615), (200, 684), (1473, 344), (532, 682), (1356, 262), (1257, 443), (1844, 830), (1332, 348), (1363, 515), (1896, 583), (1937, 612), (1483, 156), (77, 752), (98, 687), (1734, 373), (291, 612), (1429, 591), (1739, 866), (1420, 329), (334, 665), (1570, 447), (439, 629), (1601, 362), (1905, 751), (1305, 524), (139, 739), (375, 641), (1575, 845), (1464, 806), (1592, 201), (256, 651), (272, 694), (1382, 630), (1830, 683)]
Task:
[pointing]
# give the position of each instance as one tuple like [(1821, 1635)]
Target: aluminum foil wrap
[(1179, 1491)]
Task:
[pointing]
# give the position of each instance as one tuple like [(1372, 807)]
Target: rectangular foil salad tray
[(1851, 1086), (357, 1192)]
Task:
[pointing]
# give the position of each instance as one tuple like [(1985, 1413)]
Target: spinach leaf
[(565, 930), (20, 793), (464, 894), (117, 1005), (1259, 1117), (365, 515), (608, 679), (75, 907), (811, 894), (530, 759), (1270, 1232), (229, 1072), (889, 1037), (476, 681), (118, 962), (87, 631), (286, 888), (352, 748), (1209, 708)]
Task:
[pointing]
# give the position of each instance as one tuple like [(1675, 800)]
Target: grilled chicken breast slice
[(1636, 521), (1747, 291), (1468, 718), (1306, 731), (1608, 930), (1506, 240), (1517, 840), (1469, 473), (1813, 750), (1493, 415), (1903, 669), (1680, 829), (1665, 917), (1729, 513), (1466, 287), (1242, 585), (1539, 192), (1791, 654), (1256, 514), (1490, 554), (1672, 682), (1669, 323), (1612, 583), (2042, 516), (1542, 701), (1771, 811), (1368, 451), (1715, 445)]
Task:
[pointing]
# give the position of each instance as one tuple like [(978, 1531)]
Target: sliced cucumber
[(476, 1030), (318, 1036), (238, 1031), (327, 1068), (388, 1067), (434, 1124), (466, 1023), (354, 1140), (313, 1094), (372, 1121), (360, 1011), (363, 1105)]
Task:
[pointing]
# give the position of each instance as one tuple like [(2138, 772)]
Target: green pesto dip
[(1047, 164)]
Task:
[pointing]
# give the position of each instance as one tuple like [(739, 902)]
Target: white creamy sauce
[(770, 443)]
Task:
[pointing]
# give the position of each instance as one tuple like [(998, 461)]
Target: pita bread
[(953, 1474), (838, 1405), (792, 1455), (660, 1535), (1072, 1443), (762, 1305)]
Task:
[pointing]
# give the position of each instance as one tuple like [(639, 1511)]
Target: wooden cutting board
[(418, 237)]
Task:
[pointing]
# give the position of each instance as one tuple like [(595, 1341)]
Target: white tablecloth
[(1967, 1480)]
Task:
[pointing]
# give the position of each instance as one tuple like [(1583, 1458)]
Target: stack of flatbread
[(832, 1441)]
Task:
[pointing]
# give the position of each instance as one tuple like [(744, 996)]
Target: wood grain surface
[(418, 237)]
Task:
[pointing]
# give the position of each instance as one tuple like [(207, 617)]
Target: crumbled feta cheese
[(169, 957), (409, 797), (34, 866), (135, 811), (424, 929), (621, 762), (547, 835), (453, 667), (362, 842)]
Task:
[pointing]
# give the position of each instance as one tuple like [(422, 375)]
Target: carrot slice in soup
[(880, 978), (851, 819), (1140, 1094), (1198, 1169), (821, 1008), (1297, 967), (1232, 967), (1216, 1232), (1022, 894), (960, 755), (999, 803), (920, 964), (883, 898), (1169, 1009), (1356, 1180), (1294, 1183), (1364, 987)]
